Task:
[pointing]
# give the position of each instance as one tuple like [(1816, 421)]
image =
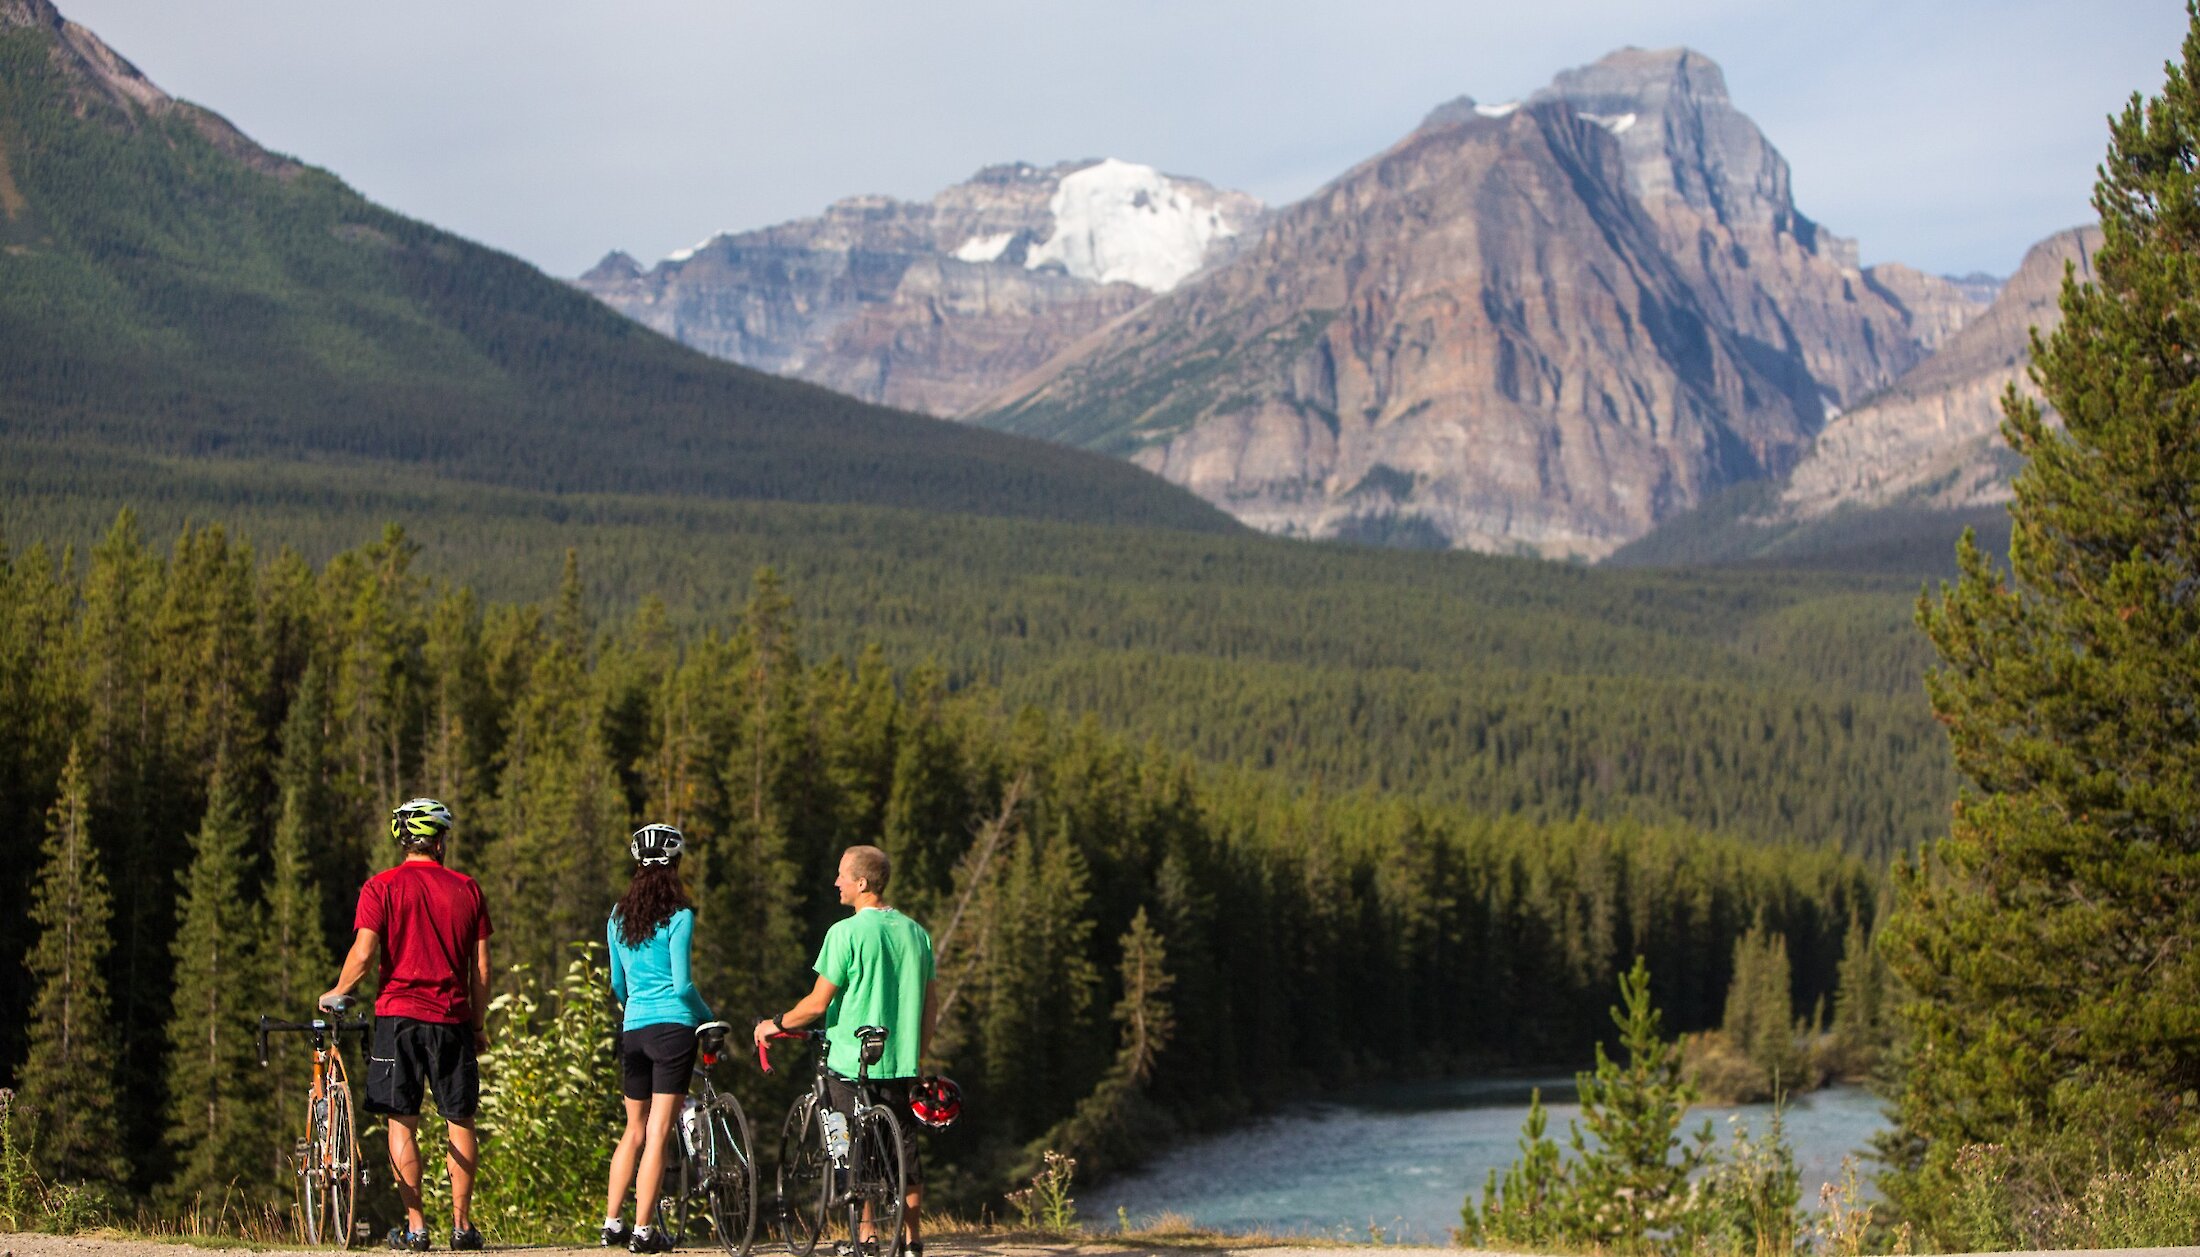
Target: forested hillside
[(166, 285), (223, 732), (1761, 704)]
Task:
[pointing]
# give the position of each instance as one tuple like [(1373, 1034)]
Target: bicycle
[(828, 1161), (716, 1172), (329, 1172)]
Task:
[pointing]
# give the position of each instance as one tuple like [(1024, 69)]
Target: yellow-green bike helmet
[(420, 823)]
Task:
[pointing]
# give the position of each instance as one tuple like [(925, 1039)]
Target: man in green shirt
[(875, 969)]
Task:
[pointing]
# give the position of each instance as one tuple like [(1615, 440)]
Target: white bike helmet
[(656, 844)]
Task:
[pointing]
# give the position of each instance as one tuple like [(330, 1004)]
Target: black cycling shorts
[(894, 1094), (408, 1055), (656, 1060)]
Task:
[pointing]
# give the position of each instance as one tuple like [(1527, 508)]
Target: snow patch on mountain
[(984, 248), (682, 255), (1118, 221), (1497, 111), (1616, 123)]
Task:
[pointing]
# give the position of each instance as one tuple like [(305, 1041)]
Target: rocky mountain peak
[(1690, 143), (101, 79), (618, 266)]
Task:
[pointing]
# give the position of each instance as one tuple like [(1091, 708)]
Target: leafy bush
[(29, 1203), (2158, 1206), (1746, 1202), (549, 1110)]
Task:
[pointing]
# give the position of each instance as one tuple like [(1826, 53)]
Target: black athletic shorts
[(894, 1094), (408, 1054), (656, 1059)]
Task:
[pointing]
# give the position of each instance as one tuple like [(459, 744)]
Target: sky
[(1947, 134)]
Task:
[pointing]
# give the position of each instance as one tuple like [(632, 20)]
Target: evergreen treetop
[(2045, 947)]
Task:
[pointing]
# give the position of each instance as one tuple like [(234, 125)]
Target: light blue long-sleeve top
[(652, 980)]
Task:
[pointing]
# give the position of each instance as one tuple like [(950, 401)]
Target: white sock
[(642, 1232), (612, 1224)]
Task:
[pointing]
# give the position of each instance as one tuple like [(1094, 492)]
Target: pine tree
[(68, 1079), (1115, 1121), (1859, 1021), (219, 1110), (2045, 945), (294, 942), (1631, 1166), (1760, 1008)]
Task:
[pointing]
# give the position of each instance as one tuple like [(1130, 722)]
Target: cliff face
[(1539, 326), (1720, 196), (1934, 437), (1475, 339), (931, 306)]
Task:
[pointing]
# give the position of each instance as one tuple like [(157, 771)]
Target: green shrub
[(2156, 1207), (549, 1111), (1746, 1201)]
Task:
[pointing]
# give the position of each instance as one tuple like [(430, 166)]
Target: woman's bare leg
[(624, 1156)]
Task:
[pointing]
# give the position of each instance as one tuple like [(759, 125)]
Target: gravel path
[(31, 1245), (945, 1245)]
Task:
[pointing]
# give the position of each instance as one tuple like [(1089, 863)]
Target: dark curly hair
[(650, 900)]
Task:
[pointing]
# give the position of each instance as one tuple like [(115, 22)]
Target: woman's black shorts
[(656, 1060)]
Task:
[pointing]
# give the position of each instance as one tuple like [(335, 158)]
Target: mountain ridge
[(168, 285), (1779, 311), (932, 305)]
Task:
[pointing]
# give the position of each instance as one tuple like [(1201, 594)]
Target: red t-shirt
[(429, 918)]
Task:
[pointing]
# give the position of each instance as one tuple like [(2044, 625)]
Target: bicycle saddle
[(873, 1039), (340, 1005), (710, 1040)]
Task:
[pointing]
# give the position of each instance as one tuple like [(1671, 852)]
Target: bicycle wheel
[(800, 1202), (312, 1181), (340, 1153), (677, 1186), (729, 1178), (881, 1171)]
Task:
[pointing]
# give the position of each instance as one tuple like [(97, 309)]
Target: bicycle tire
[(312, 1183), (672, 1203), (881, 1173), (342, 1183), (729, 1185), (800, 1203)]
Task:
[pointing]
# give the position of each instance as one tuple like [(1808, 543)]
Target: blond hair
[(870, 864)]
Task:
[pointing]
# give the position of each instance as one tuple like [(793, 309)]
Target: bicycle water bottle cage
[(873, 1039)]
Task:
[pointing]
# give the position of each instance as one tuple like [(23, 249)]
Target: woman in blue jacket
[(649, 933)]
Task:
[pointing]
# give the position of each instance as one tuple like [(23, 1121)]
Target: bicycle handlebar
[(358, 1025), (763, 1054)]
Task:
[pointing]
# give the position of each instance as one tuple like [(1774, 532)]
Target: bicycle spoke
[(732, 1184), (803, 1179)]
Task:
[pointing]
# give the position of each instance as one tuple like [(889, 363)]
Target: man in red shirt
[(432, 929)]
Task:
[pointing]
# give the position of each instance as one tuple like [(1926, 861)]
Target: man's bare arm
[(364, 945), (809, 1011), (477, 993)]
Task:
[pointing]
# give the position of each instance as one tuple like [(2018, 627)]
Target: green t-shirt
[(881, 961)]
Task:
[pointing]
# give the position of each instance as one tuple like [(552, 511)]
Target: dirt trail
[(29, 1245), (947, 1245)]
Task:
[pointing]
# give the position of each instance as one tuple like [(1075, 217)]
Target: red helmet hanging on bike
[(936, 1102)]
